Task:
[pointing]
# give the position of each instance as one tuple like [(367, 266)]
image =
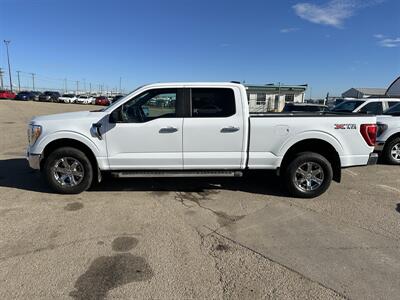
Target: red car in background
[(7, 95), (102, 100)]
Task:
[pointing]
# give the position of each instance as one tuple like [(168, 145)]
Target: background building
[(272, 97), (364, 92)]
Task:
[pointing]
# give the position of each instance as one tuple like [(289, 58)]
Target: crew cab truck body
[(388, 140), (197, 129)]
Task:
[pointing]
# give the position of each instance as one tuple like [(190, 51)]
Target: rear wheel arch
[(392, 137), (390, 142), (318, 146)]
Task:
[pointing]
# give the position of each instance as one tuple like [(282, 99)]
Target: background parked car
[(304, 107), (102, 100), (375, 106), (116, 98), (26, 96), (7, 94), (36, 95), (67, 98), (49, 96), (84, 99)]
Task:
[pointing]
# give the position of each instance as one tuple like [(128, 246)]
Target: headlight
[(34, 132)]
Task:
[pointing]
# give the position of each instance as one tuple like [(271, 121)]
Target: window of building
[(261, 99), (289, 98), (213, 102)]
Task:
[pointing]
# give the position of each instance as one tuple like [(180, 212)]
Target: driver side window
[(150, 105)]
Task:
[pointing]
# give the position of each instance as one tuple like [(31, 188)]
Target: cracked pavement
[(192, 238)]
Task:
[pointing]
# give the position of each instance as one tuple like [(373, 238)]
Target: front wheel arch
[(59, 143)]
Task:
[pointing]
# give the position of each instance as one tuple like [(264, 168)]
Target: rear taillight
[(369, 131)]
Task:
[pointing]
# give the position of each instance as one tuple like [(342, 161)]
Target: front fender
[(42, 143)]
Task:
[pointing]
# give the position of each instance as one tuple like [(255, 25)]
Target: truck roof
[(194, 83)]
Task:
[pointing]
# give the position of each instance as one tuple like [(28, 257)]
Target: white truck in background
[(197, 130)]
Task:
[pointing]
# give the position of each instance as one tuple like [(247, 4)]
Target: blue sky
[(330, 44)]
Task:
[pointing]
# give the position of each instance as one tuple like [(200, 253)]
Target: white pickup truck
[(197, 130)]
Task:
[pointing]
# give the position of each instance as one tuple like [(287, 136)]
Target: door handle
[(168, 129), (230, 129)]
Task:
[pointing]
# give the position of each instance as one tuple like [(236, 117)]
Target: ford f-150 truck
[(197, 130)]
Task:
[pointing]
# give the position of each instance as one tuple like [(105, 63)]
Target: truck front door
[(146, 132)]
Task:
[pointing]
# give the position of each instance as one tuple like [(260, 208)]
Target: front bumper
[(34, 160), (373, 159)]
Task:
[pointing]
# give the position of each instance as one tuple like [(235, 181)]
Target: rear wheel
[(392, 152), (308, 175), (68, 171)]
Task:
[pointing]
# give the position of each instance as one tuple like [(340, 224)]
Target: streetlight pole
[(19, 83), (120, 79), (8, 60), (1, 79), (33, 81)]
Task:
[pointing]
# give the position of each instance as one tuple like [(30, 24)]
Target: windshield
[(68, 95), (393, 110), (348, 106)]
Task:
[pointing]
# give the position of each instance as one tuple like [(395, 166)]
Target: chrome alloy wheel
[(395, 152), (68, 171), (309, 176)]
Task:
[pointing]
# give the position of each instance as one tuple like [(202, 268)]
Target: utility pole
[(65, 85), (19, 83), (90, 88), (84, 85), (33, 81), (77, 87), (1, 79), (120, 79), (8, 60)]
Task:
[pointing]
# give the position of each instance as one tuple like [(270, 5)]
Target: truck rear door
[(213, 133)]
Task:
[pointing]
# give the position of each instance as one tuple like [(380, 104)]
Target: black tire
[(387, 151), (85, 168), (291, 175)]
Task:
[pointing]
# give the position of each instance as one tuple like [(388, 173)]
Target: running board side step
[(132, 174)]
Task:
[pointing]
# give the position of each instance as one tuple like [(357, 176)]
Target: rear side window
[(213, 103), (393, 103), (372, 108)]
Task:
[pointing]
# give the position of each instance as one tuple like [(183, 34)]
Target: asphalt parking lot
[(197, 238)]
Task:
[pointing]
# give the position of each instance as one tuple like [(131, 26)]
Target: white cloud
[(387, 42), (333, 13), (379, 36), (288, 30)]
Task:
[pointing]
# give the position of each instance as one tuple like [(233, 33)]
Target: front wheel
[(68, 171), (392, 152), (308, 175)]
